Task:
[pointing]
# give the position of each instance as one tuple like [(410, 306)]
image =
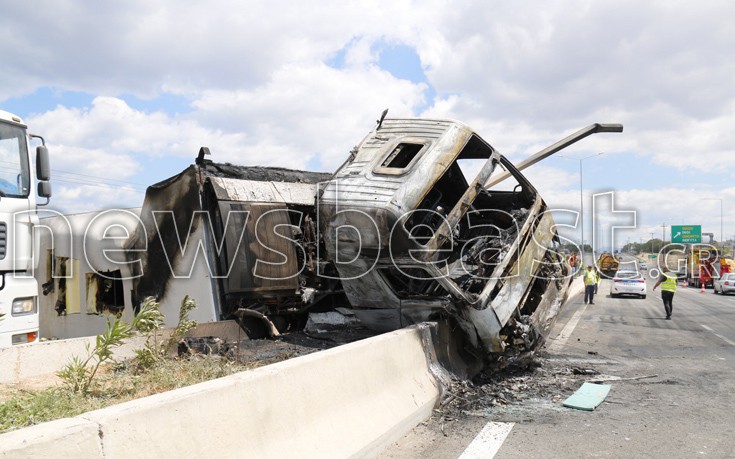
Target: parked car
[(628, 283), (725, 283), (643, 266)]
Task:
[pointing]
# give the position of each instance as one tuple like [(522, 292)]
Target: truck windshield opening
[(14, 167)]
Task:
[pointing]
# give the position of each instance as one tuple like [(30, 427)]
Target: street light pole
[(581, 199), (722, 234), (721, 226), (581, 215)]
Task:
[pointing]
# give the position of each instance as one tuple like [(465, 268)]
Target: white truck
[(18, 216)]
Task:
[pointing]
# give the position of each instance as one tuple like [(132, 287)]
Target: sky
[(125, 93)]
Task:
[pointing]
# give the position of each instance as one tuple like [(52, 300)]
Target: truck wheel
[(643, 297)]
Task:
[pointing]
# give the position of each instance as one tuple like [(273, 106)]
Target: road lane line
[(731, 343), (566, 332), (487, 443)]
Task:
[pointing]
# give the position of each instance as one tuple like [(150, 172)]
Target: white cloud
[(305, 113), (78, 199), (110, 125)]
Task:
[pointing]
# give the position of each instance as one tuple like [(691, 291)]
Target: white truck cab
[(18, 216)]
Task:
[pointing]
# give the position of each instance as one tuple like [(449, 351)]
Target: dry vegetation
[(96, 380), (52, 397), (116, 383)]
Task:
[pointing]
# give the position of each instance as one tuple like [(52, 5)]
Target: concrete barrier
[(575, 288), (73, 438), (348, 401), (34, 360)]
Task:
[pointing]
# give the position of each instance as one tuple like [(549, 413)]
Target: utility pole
[(581, 198), (722, 233)]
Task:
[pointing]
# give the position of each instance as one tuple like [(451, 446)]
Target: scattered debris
[(208, 345), (605, 378), (256, 324), (517, 382), (585, 371), (521, 388), (588, 397), (322, 322), (268, 351)]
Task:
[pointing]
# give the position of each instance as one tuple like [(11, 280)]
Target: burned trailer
[(241, 240), (427, 221)]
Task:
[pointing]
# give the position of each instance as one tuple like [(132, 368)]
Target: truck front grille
[(3, 239)]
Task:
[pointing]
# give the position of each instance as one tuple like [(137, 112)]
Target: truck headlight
[(23, 306)]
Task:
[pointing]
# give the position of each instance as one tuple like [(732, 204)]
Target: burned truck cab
[(427, 221)]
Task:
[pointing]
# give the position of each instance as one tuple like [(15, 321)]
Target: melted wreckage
[(425, 221)]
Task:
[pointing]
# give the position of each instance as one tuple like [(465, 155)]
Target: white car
[(628, 283), (642, 265), (725, 283)]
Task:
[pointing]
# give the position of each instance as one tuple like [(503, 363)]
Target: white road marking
[(566, 332), (487, 443), (718, 335)]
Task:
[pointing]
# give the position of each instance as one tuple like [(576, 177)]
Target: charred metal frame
[(405, 270)]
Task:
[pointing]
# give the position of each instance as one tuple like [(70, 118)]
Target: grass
[(114, 384), (96, 381)]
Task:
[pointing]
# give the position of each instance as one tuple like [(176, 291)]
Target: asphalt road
[(675, 397)]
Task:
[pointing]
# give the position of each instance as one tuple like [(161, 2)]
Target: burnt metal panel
[(228, 189), (263, 261), (261, 173), (156, 242), (430, 129), (357, 191)]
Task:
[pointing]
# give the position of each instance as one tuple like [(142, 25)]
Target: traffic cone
[(701, 290)]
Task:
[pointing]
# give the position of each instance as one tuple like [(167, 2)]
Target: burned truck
[(425, 221)]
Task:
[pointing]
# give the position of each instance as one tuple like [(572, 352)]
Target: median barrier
[(576, 287), (28, 361), (351, 400)]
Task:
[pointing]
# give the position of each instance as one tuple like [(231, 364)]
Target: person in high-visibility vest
[(590, 281), (667, 281)]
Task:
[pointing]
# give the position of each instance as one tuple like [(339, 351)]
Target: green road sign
[(651, 256), (686, 234)]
